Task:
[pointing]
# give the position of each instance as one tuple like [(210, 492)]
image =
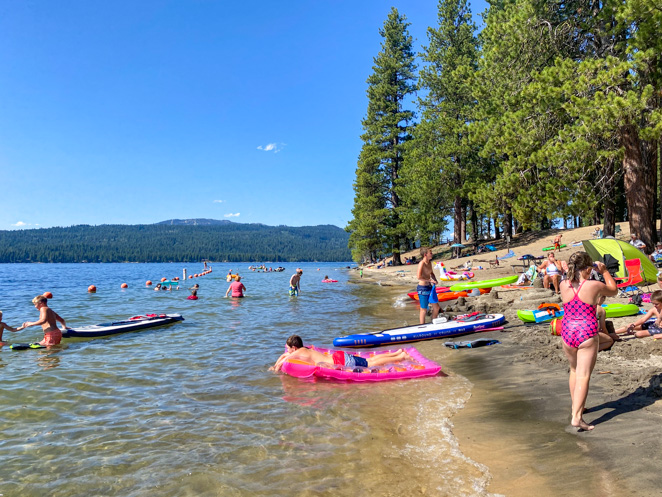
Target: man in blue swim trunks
[(426, 279)]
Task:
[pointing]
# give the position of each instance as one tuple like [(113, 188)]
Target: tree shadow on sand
[(640, 398)]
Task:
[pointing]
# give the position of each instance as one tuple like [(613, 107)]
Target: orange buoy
[(148, 283), (163, 279), (92, 289), (124, 285), (48, 295), (190, 276)]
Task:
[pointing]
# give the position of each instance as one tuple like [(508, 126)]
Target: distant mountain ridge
[(176, 240), (195, 222)]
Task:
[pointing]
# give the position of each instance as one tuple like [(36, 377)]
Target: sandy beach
[(517, 421)]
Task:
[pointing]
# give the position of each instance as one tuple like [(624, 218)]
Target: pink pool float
[(418, 366)]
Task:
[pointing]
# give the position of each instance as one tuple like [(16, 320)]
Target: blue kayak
[(460, 325)]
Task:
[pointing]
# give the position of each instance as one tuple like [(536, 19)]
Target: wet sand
[(517, 421)]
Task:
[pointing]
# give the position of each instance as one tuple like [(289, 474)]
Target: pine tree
[(444, 163), (387, 126)]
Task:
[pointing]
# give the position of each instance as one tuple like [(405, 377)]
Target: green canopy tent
[(621, 251)]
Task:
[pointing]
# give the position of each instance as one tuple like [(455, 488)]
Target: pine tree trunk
[(458, 220), (637, 186), (608, 204)]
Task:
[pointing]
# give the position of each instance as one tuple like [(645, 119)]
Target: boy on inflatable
[(296, 350)]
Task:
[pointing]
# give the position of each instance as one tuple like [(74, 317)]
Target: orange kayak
[(444, 295)]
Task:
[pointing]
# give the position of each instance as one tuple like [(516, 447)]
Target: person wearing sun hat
[(656, 256)]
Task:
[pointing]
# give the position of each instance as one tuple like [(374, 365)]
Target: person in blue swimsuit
[(426, 282)]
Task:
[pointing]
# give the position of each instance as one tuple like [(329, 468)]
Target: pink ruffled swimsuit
[(579, 322)]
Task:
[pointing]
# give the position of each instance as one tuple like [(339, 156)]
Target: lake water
[(191, 409)]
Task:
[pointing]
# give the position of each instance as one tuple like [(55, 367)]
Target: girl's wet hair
[(295, 341), (577, 263)]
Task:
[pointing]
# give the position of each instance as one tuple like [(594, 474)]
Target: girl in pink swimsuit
[(579, 327)]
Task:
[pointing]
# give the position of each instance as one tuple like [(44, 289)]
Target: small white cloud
[(20, 223), (232, 215), (271, 147), (218, 201)]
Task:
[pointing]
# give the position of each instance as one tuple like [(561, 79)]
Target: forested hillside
[(166, 242)]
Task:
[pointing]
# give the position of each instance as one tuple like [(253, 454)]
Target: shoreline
[(517, 421)]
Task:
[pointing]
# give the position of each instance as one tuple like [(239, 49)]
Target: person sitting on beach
[(426, 280), (237, 288), (656, 255), (553, 271), (641, 328), (557, 242), (637, 242), (296, 350), (48, 319), (580, 327), (194, 290), (295, 283), (606, 338), (5, 326)]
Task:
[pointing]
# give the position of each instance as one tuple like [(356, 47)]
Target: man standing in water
[(426, 279), (295, 283), (48, 320)]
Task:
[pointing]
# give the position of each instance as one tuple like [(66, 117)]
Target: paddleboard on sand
[(506, 280), (461, 325)]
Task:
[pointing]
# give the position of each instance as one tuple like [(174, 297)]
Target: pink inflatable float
[(417, 367)]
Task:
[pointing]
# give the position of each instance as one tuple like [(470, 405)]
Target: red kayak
[(444, 293)]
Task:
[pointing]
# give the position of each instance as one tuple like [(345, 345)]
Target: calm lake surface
[(191, 409)]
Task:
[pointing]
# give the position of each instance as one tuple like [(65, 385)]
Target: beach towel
[(433, 298), (508, 255), (471, 344)]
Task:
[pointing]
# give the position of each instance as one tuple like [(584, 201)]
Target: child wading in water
[(640, 328), (295, 349), (5, 326), (47, 320)]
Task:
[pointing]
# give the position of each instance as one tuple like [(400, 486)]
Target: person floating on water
[(295, 349), (47, 320), (5, 326), (295, 283), (237, 288)]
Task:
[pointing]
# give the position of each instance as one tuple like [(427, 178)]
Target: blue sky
[(136, 112)]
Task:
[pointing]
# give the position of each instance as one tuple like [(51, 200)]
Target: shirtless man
[(295, 349), (557, 242), (47, 320), (426, 279), (295, 283)]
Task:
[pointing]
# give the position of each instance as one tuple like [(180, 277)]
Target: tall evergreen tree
[(446, 163), (387, 128)]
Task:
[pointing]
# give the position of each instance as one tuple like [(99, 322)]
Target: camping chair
[(633, 268)]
